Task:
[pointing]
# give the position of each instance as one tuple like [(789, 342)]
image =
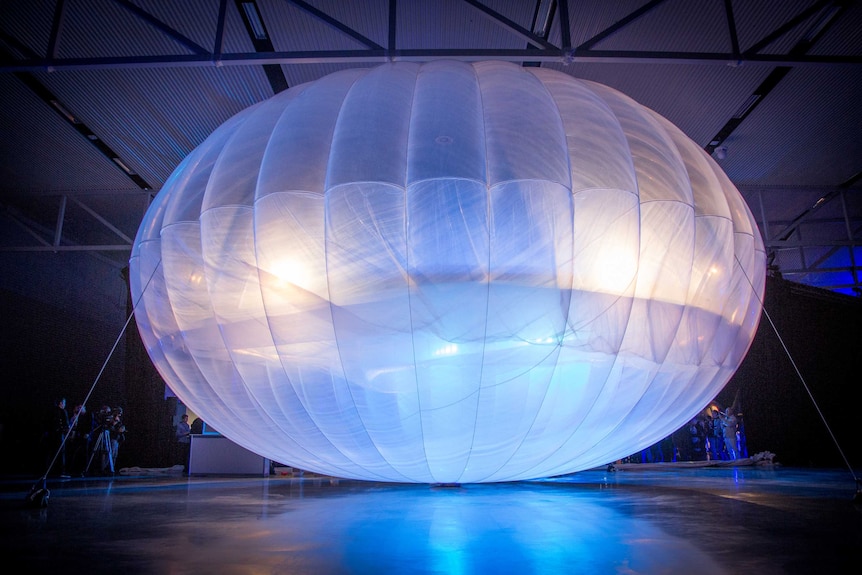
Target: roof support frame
[(259, 35), (218, 43), (513, 27), (343, 28), (392, 21), (59, 242), (786, 27), (618, 25), (56, 28), (38, 232), (565, 26), (168, 31), (539, 49), (383, 56), (850, 236), (731, 27), (29, 227), (102, 220), (815, 266), (829, 16), (545, 26), (812, 253)]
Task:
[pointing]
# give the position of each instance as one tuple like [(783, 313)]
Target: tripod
[(103, 447)]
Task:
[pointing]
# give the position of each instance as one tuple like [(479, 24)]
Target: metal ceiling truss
[(539, 50), (828, 12), (60, 244), (814, 253), (55, 240), (259, 36)]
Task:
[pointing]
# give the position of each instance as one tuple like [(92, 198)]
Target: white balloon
[(447, 272)]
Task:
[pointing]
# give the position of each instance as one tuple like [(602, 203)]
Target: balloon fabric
[(447, 272)]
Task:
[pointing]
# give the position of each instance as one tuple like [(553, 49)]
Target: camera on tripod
[(107, 423), (105, 418)]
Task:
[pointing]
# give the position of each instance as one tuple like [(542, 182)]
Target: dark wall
[(50, 352), (150, 422), (60, 317), (822, 332)]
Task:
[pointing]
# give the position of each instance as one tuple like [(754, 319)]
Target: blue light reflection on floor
[(693, 521), (496, 529)]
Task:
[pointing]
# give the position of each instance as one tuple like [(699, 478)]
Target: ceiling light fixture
[(544, 15), (254, 20), (62, 109), (123, 166)]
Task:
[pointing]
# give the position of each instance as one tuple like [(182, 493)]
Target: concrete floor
[(692, 521)]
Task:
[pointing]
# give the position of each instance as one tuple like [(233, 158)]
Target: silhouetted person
[(729, 427), (184, 440), (117, 430), (716, 439), (698, 432)]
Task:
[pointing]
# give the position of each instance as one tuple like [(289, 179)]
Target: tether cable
[(804, 383), (41, 481)]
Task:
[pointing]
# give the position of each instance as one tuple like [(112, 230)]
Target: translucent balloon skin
[(447, 272)]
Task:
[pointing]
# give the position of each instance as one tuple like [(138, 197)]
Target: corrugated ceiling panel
[(369, 18), (452, 24), (591, 17), (518, 11), (29, 22), (105, 29), (757, 20), (153, 117), (294, 29), (845, 35), (41, 151), (705, 97), (198, 21), (669, 28), (788, 141)]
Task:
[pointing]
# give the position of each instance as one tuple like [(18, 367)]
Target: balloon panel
[(447, 272)]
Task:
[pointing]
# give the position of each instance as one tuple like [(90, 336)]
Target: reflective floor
[(692, 521)]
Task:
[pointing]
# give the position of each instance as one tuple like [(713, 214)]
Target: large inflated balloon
[(447, 272)]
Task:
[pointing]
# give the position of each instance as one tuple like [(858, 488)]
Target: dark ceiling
[(101, 99)]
